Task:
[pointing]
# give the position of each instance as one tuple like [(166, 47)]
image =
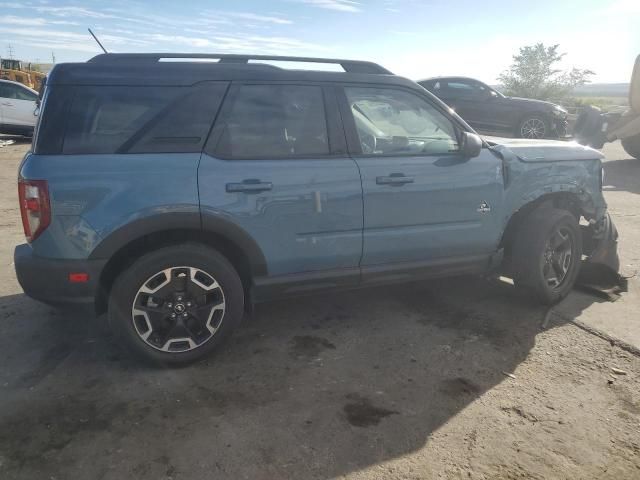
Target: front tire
[(533, 127), (631, 145), (547, 254), (175, 305)]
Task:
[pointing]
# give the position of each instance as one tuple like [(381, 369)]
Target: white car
[(17, 108)]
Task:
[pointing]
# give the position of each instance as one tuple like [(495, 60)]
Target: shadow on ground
[(309, 388), (622, 175)]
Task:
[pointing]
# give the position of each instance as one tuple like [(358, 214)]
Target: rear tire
[(631, 145), (177, 304), (547, 253)]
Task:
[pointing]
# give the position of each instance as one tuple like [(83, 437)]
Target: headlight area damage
[(566, 176), (600, 243), (599, 270)]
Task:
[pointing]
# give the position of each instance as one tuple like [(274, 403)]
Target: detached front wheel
[(177, 304), (547, 254)]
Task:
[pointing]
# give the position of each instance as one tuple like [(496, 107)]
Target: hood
[(532, 102), (544, 150)]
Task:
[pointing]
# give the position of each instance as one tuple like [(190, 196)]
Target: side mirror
[(471, 145), (634, 88)]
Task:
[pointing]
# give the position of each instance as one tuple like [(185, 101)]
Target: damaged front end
[(600, 243), (599, 270)]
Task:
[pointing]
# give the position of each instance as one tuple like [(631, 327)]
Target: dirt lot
[(451, 379)]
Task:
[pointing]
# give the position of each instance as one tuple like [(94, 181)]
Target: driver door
[(425, 204)]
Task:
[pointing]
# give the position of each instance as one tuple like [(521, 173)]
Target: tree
[(532, 75)]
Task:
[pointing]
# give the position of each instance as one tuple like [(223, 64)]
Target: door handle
[(249, 186), (394, 179)]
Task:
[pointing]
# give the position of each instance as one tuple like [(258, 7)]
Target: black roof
[(187, 69), (454, 77)]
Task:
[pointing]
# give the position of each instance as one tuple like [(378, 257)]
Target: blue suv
[(173, 192)]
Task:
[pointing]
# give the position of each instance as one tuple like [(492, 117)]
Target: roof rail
[(350, 66)]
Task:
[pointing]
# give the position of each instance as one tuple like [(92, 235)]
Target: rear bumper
[(47, 280)]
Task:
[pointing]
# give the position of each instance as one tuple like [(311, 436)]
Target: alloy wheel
[(178, 309), (533, 128), (557, 257)]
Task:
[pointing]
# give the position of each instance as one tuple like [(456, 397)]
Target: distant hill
[(603, 90), (596, 90)]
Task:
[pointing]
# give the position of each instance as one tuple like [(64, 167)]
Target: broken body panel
[(540, 170)]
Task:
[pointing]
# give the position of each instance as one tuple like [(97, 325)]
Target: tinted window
[(466, 89), (395, 122), (141, 119), (9, 90), (275, 121)]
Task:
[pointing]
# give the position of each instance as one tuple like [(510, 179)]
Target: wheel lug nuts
[(188, 304), (179, 299), (185, 314), (173, 315), (169, 305)]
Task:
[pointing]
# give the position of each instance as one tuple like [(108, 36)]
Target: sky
[(413, 38)]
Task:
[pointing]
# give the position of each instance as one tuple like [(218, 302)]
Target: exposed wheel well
[(561, 200), (143, 245)]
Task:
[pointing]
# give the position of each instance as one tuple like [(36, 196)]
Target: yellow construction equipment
[(17, 71)]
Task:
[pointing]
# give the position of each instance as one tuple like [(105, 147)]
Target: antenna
[(97, 41)]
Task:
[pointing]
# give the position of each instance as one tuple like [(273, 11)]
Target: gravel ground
[(449, 379)]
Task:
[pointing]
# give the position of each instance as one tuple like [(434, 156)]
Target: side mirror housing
[(471, 145)]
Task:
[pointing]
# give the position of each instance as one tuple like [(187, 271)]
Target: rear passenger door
[(276, 165)]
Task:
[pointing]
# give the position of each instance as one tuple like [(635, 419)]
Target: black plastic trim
[(194, 221), (271, 288), (47, 280)]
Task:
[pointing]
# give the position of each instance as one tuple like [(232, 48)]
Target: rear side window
[(275, 121), (127, 119)]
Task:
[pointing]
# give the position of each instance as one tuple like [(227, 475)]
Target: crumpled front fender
[(600, 243)]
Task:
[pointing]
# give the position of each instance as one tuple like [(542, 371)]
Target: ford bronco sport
[(172, 194)]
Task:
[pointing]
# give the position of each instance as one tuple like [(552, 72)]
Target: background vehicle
[(594, 128), (174, 193), (17, 108), (490, 111), (16, 71)]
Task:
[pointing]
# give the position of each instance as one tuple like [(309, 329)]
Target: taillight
[(34, 207)]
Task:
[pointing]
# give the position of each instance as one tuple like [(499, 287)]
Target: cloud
[(70, 11), (339, 5), (56, 39), (624, 7), (32, 22), (258, 18)]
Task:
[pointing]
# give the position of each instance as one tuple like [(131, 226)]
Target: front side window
[(275, 121), (396, 122), (127, 119), (15, 92)]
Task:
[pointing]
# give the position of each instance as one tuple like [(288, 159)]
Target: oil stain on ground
[(361, 412)]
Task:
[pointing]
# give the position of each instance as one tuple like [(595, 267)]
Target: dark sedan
[(488, 110)]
